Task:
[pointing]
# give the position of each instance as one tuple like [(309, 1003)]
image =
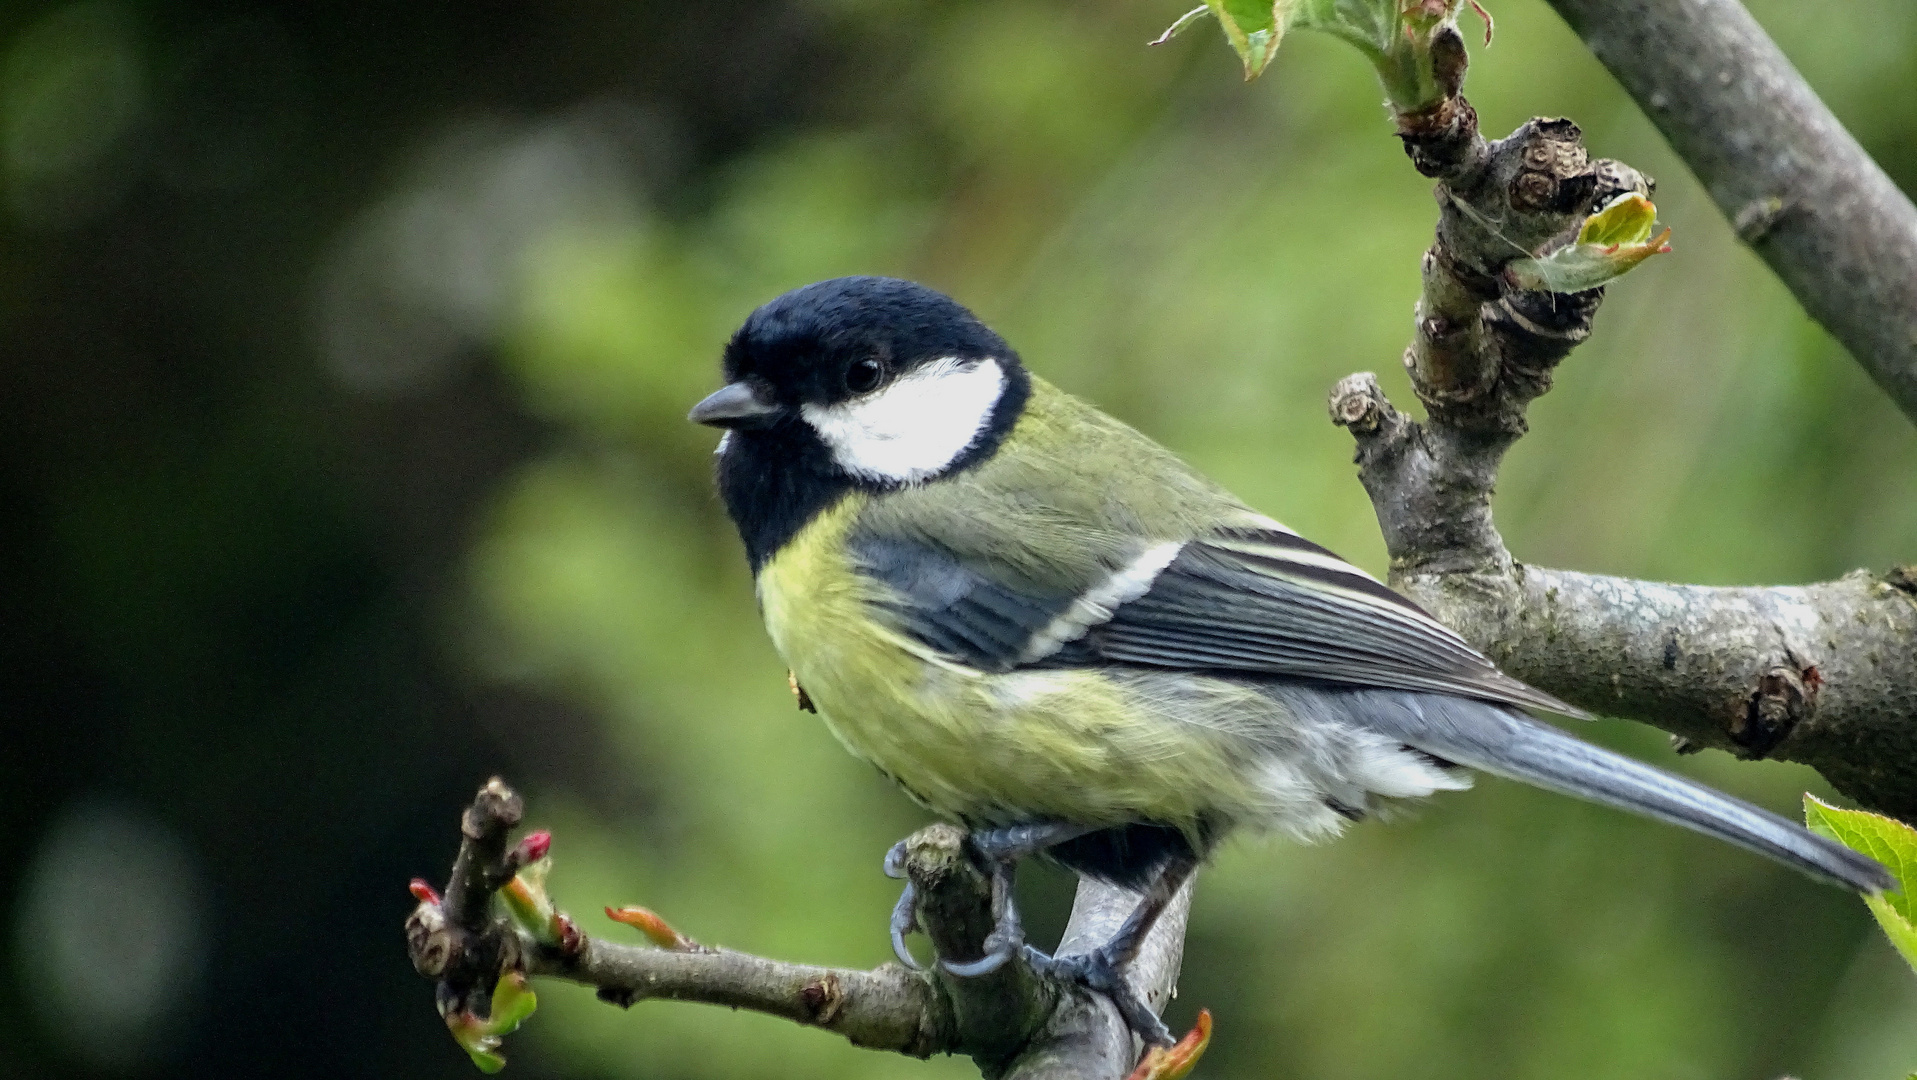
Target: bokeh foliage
[(345, 352)]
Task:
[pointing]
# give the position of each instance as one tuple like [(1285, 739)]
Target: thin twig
[(1013, 1023)]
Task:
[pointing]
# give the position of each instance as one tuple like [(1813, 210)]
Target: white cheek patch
[(916, 426)]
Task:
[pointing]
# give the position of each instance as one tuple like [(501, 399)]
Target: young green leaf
[(1395, 35), (1610, 243), (1890, 842), (1627, 219), (513, 1002)]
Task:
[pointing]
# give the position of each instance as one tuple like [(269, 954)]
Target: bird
[(1046, 627)]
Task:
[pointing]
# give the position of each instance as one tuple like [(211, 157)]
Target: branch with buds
[(496, 928), (1529, 231)]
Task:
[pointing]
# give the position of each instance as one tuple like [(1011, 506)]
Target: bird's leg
[(1099, 970), (999, 850)]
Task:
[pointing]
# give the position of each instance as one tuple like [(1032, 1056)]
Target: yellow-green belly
[(969, 744)]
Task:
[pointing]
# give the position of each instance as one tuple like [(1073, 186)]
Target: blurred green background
[(344, 351)]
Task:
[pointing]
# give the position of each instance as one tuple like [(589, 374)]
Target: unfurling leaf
[(1612, 241), (1627, 219), (1175, 1062), (1490, 24), (513, 1002), (657, 930), (529, 905), (1890, 842)]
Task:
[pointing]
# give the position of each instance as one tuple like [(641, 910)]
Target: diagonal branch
[(1823, 674), (1014, 1023), (1782, 169)]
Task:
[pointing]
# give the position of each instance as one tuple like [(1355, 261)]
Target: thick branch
[(1085, 1036), (1013, 1022), (1820, 674), (1798, 188)]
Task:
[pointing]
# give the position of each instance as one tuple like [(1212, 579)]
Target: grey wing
[(1265, 601), (1258, 601), (947, 602)]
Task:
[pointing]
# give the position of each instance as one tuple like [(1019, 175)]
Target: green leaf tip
[(1253, 27), (1609, 244), (1890, 842)]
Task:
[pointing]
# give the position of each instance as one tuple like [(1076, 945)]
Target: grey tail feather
[(1511, 744)]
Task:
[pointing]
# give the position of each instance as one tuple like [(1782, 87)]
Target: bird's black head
[(854, 382)]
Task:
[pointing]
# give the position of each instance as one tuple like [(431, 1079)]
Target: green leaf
[(1609, 244), (1254, 28), (1890, 842), (1627, 219), (470, 1033), (1395, 35), (513, 1002)]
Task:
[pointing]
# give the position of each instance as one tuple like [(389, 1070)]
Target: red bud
[(423, 892)]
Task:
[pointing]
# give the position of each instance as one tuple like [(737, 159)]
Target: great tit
[(1043, 625)]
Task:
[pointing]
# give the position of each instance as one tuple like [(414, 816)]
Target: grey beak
[(735, 405)]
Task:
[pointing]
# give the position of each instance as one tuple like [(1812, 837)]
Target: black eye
[(864, 376)]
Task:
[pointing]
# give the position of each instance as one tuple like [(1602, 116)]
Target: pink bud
[(423, 892), (534, 847)]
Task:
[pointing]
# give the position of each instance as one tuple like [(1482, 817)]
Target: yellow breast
[(971, 744)]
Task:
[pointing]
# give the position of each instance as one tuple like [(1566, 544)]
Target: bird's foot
[(1098, 971), (996, 851), (1000, 945)]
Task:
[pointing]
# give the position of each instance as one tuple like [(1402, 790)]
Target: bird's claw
[(905, 919), (1096, 971), (972, 969), (1003, 943), (894, 865), (1007, 936)]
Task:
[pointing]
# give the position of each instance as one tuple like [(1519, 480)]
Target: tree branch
[(1782, 169), (1014, 1022), (1822, 674)]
